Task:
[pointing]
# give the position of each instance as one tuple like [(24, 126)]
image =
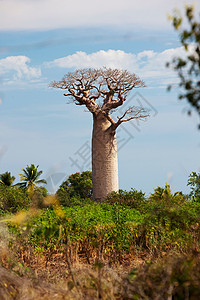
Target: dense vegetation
[(154, 239), (187, 68)]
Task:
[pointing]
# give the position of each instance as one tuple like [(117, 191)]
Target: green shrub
[(125, 221), (77, 189), (92, 224), (66, 201), (133, 199), (37, 196), (13, 199), (170, 210)]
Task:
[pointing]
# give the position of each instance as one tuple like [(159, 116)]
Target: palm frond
[(30, 176), (41, 181)]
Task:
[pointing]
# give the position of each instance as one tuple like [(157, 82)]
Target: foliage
[(161, 192), (194, 182), (76, 189), (6, 178), (132, 199), (188, 68), (13, 199), (90, 227), (30, 177), (125, 229), (157, 225), (165, 193), (174, 277), (38, 196), (170, 210), (124, 223)]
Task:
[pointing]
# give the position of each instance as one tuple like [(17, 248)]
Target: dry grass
[(27, 276), (86, 283), (72, 275)]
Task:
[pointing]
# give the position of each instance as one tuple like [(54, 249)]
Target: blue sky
[(42, 40)]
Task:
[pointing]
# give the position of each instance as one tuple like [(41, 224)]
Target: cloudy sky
[(41, 40)]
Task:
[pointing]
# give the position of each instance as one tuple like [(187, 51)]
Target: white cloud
[(110, 58), (149, 65), (14, 68), (49, 14), (0, 101)]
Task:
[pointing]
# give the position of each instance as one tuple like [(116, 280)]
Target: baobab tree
[(102, 91)]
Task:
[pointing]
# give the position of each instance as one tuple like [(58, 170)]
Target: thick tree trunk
[(104, 158)]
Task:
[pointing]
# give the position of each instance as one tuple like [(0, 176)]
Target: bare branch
[(110, 86), (134, 113), (114, 103), (69, 94)]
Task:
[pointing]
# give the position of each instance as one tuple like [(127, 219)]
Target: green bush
[(66, 201), (170, 210), (77, 189), (37, 196), (113, 229), (133, 199), (125, 221), (13, 199), (93, 224)]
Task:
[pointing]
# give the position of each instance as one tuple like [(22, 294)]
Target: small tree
[(78, 185), (76, 189), (188, 69), (30, 177), (102, 91), (7, 179)]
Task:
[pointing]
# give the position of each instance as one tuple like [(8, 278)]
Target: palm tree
[(30, 177), (6, 178)]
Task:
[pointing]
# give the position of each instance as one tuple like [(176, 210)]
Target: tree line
[(77, 190)]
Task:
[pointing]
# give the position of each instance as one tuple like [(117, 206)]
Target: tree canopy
[(6, 178), (102, 91), (188, 68), (78, 184), (30, 177)]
